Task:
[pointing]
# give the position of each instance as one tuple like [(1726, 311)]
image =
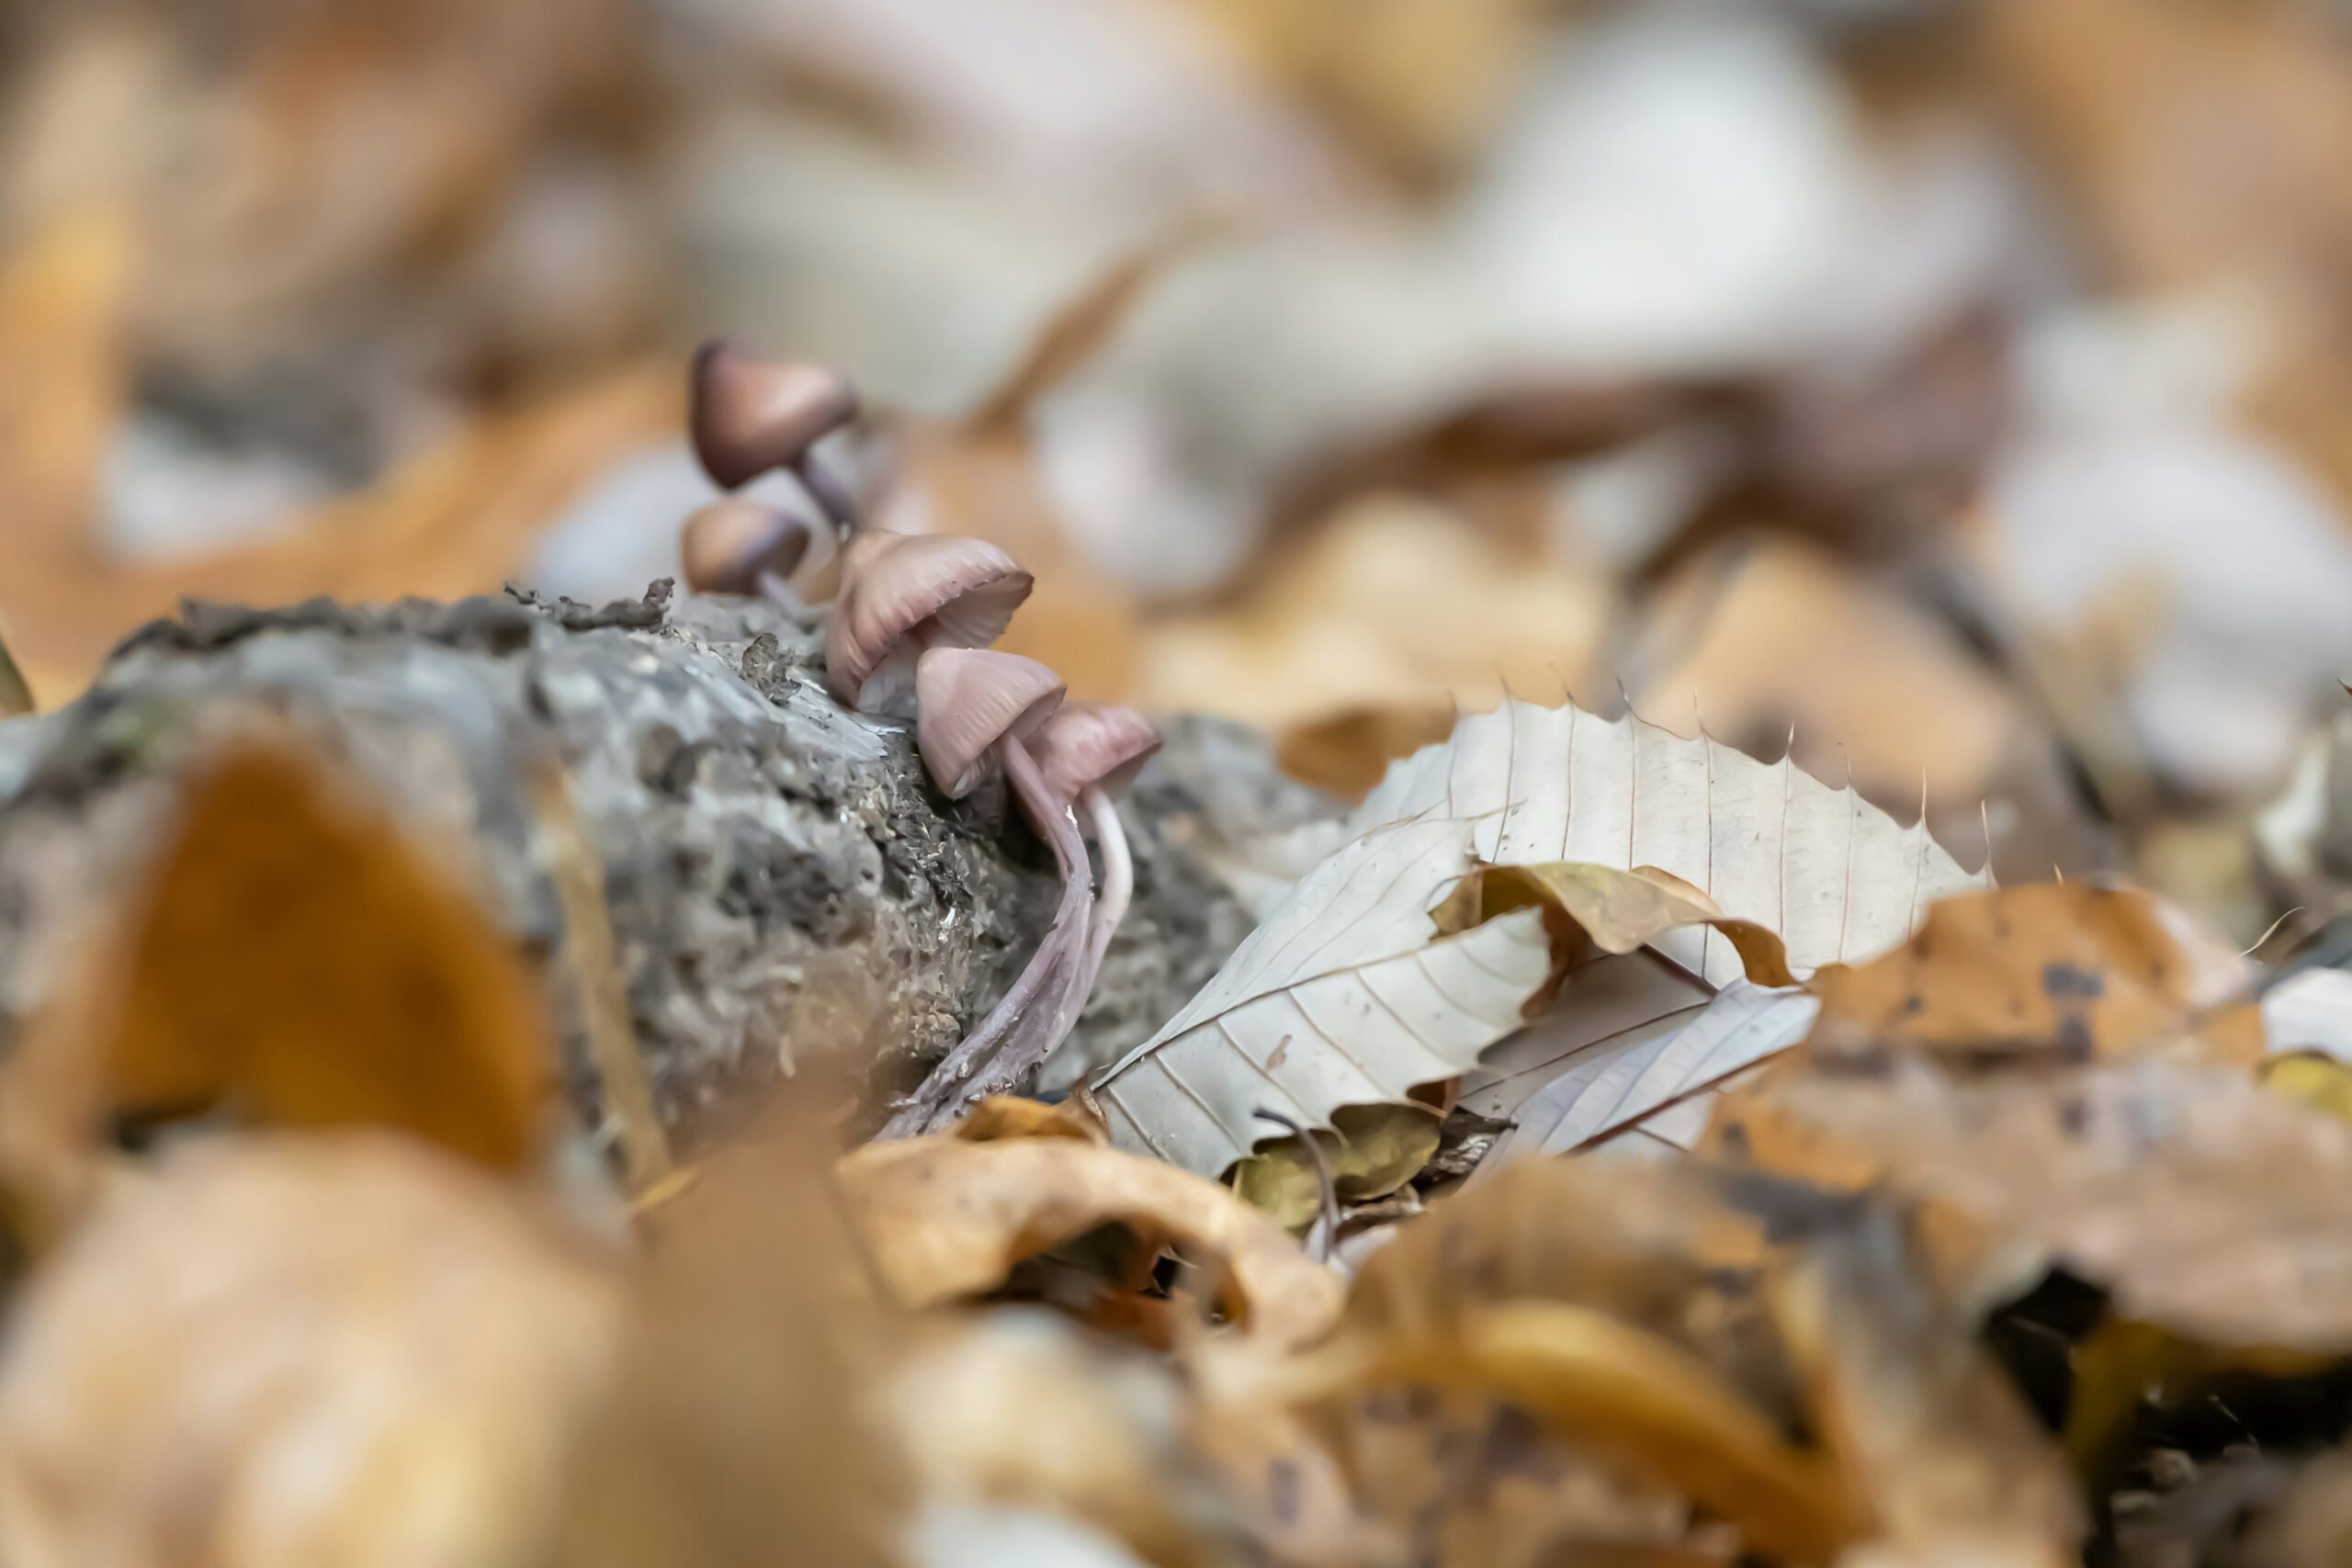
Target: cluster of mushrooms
[(908, 634)]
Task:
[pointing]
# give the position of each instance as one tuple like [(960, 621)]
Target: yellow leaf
[(1370, 1150)]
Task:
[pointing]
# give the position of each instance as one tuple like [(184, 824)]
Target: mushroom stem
[(831, 493), (1020, 1030), (1102, 817)]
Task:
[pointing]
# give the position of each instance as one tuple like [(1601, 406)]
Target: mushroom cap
[(1094, 744), (967, 699), (960, 592), (729, 544), (747, 415)]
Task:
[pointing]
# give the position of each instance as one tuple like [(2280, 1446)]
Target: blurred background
[(1960, 392)]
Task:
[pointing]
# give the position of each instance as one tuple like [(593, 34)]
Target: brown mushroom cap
[(729, 544), (967, 699), (748, 416), (936, 590), (1094, 744)]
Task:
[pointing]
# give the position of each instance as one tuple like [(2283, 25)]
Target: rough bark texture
[(784, 884)]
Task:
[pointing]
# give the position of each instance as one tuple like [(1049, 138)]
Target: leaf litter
[(1638, 1132)]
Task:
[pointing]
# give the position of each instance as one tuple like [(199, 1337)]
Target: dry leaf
[(286, 1350), (2063, 970), (1615, 912), (1647, 1270), (63, 292), (1003, 1116), (457, 519), (1347, 994), (944, 1219), (1781, 637), (2322, 1082), (1627, 1078), (2310, 1010), (2205, 1206), (740, 1416), (293, 958), (1835, 878), (1368, 1151), (1775, 645), (1629, 1393), (1350, 992), (1925, 1429), (1391, 618), (1100, 1437)]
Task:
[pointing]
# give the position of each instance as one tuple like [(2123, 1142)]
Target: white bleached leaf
[(1839, 880), (1348, 993), (1631, 1077), (1345, 995), (2310, 1012)]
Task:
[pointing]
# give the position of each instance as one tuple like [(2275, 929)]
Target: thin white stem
[(1118, 885)]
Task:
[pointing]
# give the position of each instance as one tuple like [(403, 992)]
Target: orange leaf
[(295, 958)]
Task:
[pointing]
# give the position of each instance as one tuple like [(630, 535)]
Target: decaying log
[(784, 884)]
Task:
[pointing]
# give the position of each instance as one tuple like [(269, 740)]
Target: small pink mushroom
[(904, 594), (748, 417), (972, 703), (737, 545)]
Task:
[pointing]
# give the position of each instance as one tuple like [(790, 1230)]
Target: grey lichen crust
[(784, 886)]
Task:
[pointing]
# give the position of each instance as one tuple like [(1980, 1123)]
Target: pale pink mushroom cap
[(730, 545), (967, 699), (918, 590), (1093, 743), (748, 416)]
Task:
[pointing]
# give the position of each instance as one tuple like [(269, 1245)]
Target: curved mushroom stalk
[(1029, 1022), (1091, 754), (1118, 881)]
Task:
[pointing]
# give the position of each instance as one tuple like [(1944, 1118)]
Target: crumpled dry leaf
[(1615, 912), (288, 1350), (294, 957), (1350, 991), (944, 1219), (2205, 1205), (1616, 1304), (2062, 970), (1951, 1463), (1634, 1394), (1368, 1151)]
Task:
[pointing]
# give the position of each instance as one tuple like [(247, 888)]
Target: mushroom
[(1091, 754), (905, 594), (748, 416), (739, 545), (972, 703)]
